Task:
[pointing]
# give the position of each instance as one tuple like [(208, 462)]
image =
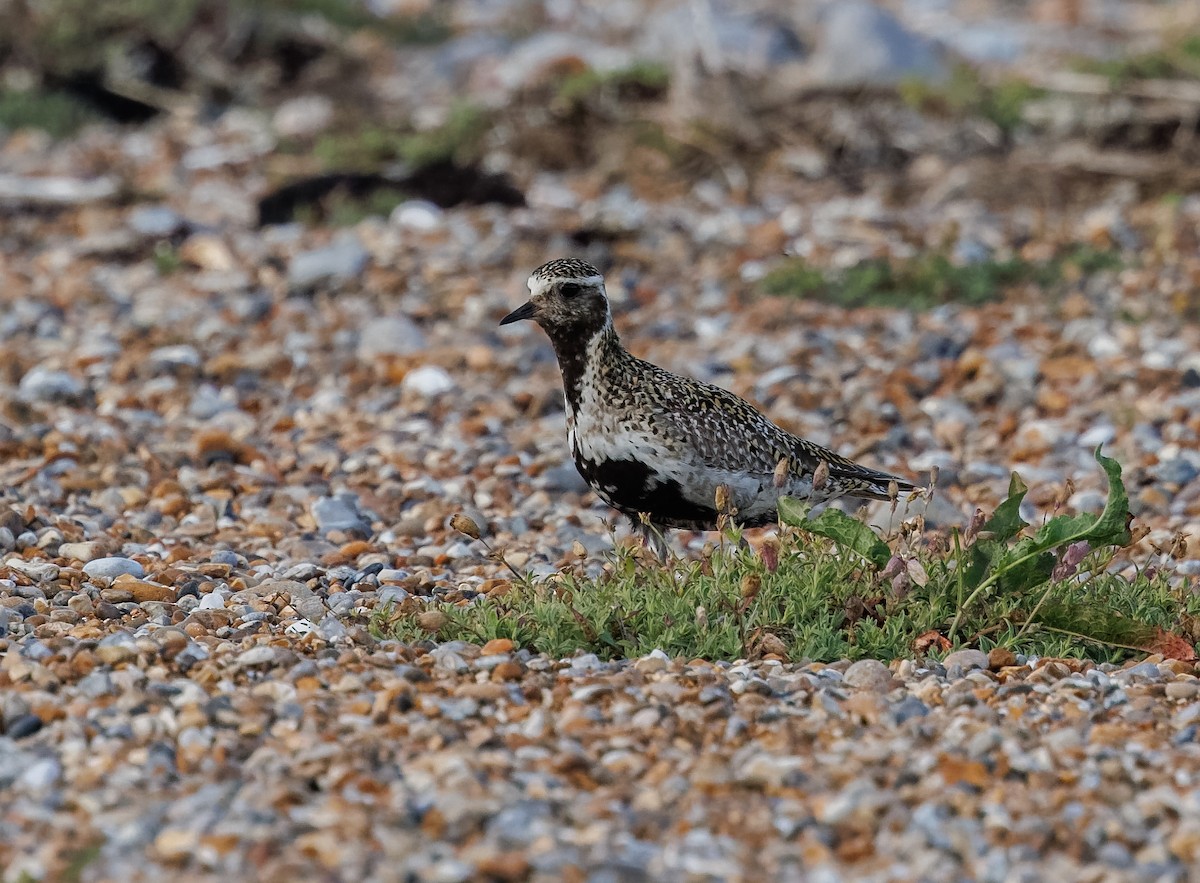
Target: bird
[(665, 450)]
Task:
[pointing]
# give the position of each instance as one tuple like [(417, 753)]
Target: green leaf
[(1112, 528), (793, 511), (850, 533), (1006, 522)]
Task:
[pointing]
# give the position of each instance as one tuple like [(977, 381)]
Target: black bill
[(524, 311)]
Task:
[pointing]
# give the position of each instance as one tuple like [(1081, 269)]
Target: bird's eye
[(570, 289)]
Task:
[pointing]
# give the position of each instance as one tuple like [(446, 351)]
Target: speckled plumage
[(655, 443)]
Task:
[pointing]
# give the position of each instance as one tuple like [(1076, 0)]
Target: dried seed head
[(578, 549), (893, 490), (934, 471), (1179, 546), (782, 468), (895, 566), (978, 520), (701, 617), (769, 553), (751, 584), (820, 475), (465, 525), (723, 498)]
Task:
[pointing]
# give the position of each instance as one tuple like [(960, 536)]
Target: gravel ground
[(224, 446)]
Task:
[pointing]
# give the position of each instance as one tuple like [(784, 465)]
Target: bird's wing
[(723, 431)]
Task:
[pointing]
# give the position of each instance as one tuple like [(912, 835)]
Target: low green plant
[(1177, 59), (641, 80), (56, 113), (830, 587), (966, 93), (928, 280), (374, 147)]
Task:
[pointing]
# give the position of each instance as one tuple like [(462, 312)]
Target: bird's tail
[(869, 484)]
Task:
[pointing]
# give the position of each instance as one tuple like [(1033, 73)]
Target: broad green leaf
[(1112, 528), (1025, 566), (850, 533), (793, 511), (1006, 522), (981, 556)]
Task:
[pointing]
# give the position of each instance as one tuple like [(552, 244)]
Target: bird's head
[(566, 298)]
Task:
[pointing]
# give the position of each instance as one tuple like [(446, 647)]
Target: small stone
[(340, 513), (432, 620), (116, 648), (496, 646), (428, 381), (45, 385), (261, 654), (87, 552), (41, 774), (1178, 471), (1000, 657), (342, 261), (1145, 671), (653, 662), (25, 725), (304, 116), (417, 215), (868, 674), (111, 568), (390, 336), (41, 571), (142, 591), (965, 660), (154, 221), (1182, 689)]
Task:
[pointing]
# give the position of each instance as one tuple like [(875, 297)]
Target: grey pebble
[(46, 385), (340, 513), (964, 661), (868, 674), (111, 568), (23, 726), (390, 336), (344, 259), (156, 221)]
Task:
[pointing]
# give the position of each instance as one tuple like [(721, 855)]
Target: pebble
[(342, 261), (111, 568), (429, 381), (47, 385), (965, 660), (390, 336), (155, 221), (870, 675), (340, 513)]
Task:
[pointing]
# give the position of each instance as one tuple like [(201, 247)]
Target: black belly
[(632, 487)]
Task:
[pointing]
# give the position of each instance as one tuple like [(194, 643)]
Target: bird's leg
[(652, 537)]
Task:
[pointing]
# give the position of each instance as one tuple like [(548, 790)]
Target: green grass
[(836, 590), (965, 93), (374, 147), (640, 81), (54, 112), (1178, 59), (928, 280)]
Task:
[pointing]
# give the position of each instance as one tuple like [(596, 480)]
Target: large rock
[(861, 44)]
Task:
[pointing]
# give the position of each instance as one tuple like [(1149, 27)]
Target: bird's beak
[(524, 311)]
